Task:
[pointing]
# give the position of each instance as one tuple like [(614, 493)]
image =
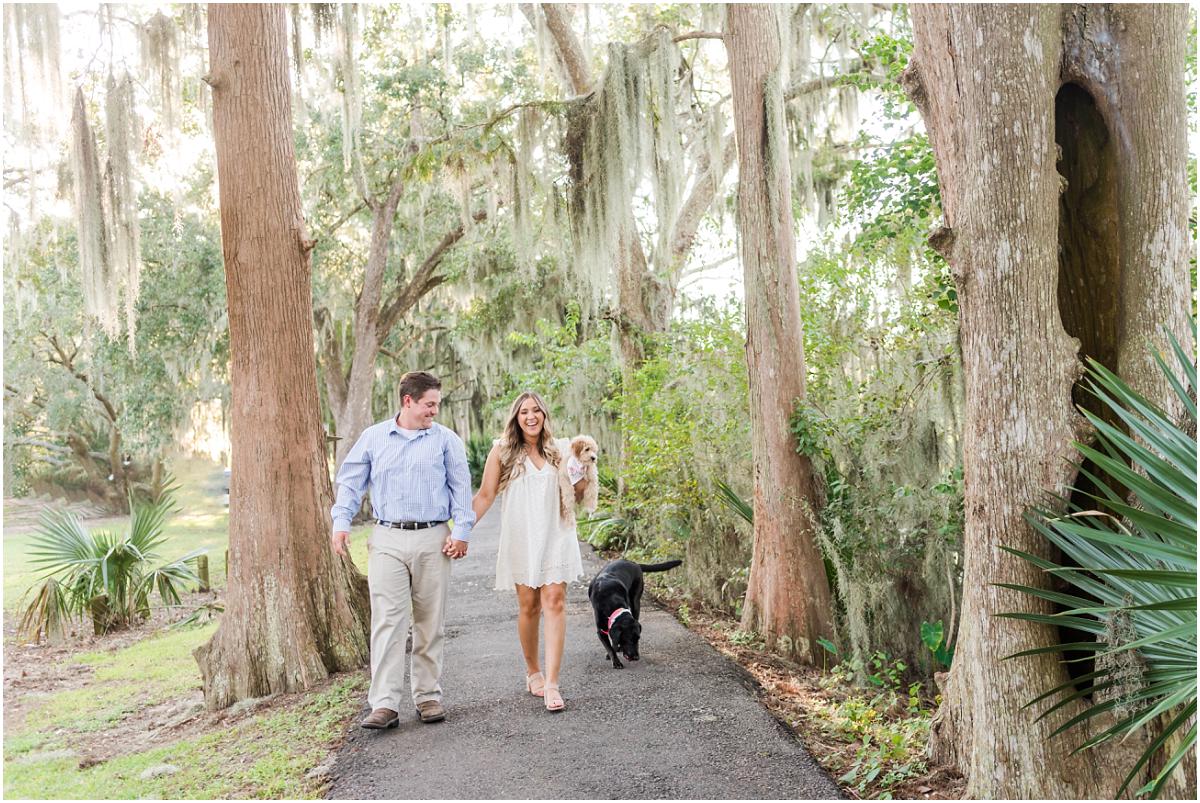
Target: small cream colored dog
[(582, 456)]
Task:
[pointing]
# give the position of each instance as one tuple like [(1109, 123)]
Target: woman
[(539, 551)]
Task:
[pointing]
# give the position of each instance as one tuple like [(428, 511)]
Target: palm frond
[(734, 502), (1132, 562), (102, 575), (49, 611), (170, 579), (61, 540)]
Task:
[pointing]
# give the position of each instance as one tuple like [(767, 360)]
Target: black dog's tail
[(660, 567)]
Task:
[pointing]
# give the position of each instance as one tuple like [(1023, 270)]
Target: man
[(418, 476)]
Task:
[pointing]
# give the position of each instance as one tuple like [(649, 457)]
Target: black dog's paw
[(617, 664)]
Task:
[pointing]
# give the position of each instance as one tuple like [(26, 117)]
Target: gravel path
[(683, 722)]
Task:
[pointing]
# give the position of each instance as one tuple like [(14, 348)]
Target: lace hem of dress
[(567, 576)]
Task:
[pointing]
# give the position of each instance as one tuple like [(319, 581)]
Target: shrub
[(104, 576)]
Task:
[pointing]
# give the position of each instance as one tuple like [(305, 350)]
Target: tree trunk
[(788, 597), (354, 414), (1102, 271), (374, 318), (294, 614)]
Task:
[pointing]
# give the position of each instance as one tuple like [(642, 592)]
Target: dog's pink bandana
[(612, 617)]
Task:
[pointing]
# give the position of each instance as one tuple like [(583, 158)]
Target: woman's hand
[(580, 487), (454, 549)]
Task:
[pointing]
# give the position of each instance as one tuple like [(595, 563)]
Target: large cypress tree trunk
[(293, 614), (788, 597), (1058, 250)]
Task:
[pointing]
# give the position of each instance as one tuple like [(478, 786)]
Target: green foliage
[(478, 448), (891, 52), (889, 534), (881, 416), (686, 435), (565, 363), (888, 752), (889, 727), (178, 357), (605, 530), (103, 576), (933, 636), (1131, 564), (878, 669)]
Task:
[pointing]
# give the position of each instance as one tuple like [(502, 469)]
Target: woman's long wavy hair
[(512, 442)]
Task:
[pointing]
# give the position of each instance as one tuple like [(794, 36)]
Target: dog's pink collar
[(612, 617)]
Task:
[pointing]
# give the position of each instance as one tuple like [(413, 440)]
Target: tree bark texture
[(293, 612), (787, 598), (1058, 251)]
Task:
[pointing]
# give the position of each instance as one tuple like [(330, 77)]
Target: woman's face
[(530, 418)]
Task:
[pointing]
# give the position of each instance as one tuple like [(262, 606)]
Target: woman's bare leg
[(529, 611), (553, 604)]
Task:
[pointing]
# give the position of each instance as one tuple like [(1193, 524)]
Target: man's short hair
[(415, 383)]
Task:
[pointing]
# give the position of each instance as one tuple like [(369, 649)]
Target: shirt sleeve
[(458, 478), (352, 480)]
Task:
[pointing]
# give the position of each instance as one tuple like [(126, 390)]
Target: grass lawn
[(96, 724)]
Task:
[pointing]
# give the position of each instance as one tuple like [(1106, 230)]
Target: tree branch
[(704, 189), (423, 280), (60, 357), (857, 67), (55, 447), (683, 37), (568, 47), (337, 224)]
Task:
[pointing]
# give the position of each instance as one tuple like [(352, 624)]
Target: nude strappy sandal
[(535, 684), (554, 700)]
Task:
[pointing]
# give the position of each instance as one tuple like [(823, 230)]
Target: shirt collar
[(395, 428)]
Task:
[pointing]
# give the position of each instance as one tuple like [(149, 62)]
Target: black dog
[(616, 595)]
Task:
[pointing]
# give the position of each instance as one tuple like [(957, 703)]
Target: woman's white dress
[(536, 546)]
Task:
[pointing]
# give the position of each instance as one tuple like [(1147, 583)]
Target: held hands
[(340, 543), (454, 549)]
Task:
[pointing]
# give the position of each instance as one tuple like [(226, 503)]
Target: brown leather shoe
[(431, 711), (381, 718)]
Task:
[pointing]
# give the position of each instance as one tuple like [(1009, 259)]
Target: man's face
[(422, 411)]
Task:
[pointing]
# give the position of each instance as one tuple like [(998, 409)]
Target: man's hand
[(454, 549), (341, 543)]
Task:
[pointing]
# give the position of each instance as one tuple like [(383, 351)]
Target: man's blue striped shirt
[(422, 479)]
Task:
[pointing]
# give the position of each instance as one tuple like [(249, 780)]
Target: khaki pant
[(409, 578)]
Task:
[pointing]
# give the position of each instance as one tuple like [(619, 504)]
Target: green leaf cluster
[(1130, 562), (104, 576)]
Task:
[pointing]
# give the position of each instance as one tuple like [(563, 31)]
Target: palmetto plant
[(1131, 562), (105, 576), (730, 498)]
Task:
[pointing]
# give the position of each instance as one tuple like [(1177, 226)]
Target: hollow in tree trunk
[(1060, 142)]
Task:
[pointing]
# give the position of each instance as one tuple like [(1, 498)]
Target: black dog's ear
[(639, 628)]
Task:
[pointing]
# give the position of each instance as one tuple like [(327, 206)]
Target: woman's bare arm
[(488, 486)]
